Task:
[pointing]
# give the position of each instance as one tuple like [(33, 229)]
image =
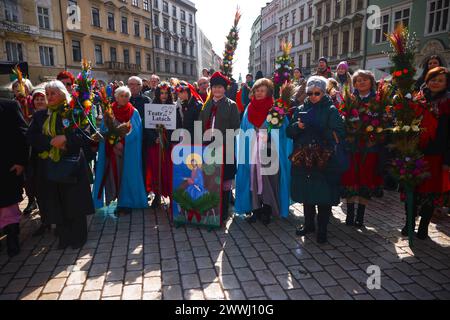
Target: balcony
[(21, 28), (122, 67)]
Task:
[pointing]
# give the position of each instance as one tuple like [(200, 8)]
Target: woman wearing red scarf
[(435, 145), (260, 193), (119, 166)]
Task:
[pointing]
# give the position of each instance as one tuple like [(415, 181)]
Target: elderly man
[(139, 100), (154, 81), (203, 86)]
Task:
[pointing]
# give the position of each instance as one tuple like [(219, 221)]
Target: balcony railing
[(122, 66), (18, 28)]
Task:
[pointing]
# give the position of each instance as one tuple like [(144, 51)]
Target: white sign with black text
[(157, 114)]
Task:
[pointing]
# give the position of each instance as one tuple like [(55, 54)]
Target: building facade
[(339, 32), (428, 19), (205, 53), (30, 31), (254, 63), (269, 36), (295, 23), (175, 39)]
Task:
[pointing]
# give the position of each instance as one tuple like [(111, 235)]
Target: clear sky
[(215, 18)]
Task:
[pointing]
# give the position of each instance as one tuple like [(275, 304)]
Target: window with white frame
[(148, 61), (76, 50), (147, 31), (146, 5), (11, 11), (125, 25), (46, 55), (165, 6), (135, 3), (138, 58), (98, 54), (14, 51), (437, 16), (95, 17), (380, 34), (43, 17), (111, 25), (402, 16)]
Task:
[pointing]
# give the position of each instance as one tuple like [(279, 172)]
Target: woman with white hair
[(316, 127), (119, 166), (64, 190)]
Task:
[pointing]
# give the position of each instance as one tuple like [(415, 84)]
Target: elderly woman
[(316, 127), (364, 177), (119, 166), (262, 193), (64, 184), (435, 145)]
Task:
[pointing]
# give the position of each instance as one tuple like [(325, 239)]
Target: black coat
[(191, 111), (15, 150), (61, 201)]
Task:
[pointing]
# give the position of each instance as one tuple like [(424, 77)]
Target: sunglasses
[(317, 94)]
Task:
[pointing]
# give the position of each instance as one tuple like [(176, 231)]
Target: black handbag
[(66, 170)]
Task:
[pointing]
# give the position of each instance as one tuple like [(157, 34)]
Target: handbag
[(66, 170)]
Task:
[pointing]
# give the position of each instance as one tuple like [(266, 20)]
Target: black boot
[(309, 226), (12, 239), (41, 230), (359, 222), (225, 205), (350, 220), (323, 218), (405, 228), (30, 207), (250, 217), (426, 213), (156, 202), (266, 214)]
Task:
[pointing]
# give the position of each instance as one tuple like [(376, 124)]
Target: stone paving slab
[(143, 257)]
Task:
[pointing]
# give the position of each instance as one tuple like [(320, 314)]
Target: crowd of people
[(136, 170)]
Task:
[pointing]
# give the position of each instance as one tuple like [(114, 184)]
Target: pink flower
[(375, 122), (355, 113), (365, 118)]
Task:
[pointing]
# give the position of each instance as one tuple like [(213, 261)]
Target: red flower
[(405, 71), (398, 107), (397, 73)]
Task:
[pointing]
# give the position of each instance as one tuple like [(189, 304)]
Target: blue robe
[(132, 189), (197, 190), (283, 145)]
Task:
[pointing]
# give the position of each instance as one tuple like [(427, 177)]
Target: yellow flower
[(369, 129), (379, 130), (406, 128), (87, 104), (415, 128)]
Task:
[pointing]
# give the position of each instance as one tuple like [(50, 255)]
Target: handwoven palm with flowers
[(280, 110), (230, 47), (114, 131), (284, 66), (408, 110)]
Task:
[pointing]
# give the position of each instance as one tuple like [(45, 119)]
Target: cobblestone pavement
[(143, 257)]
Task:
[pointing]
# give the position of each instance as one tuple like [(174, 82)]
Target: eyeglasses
[(317, 94)]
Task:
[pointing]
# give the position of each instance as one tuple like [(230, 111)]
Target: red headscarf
[(124, 113), (258, 110)]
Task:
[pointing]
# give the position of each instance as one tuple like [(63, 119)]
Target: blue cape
[(283, 145), (132, 189)]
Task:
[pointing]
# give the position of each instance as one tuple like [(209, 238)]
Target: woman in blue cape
[(119, 167), (260, 193)]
